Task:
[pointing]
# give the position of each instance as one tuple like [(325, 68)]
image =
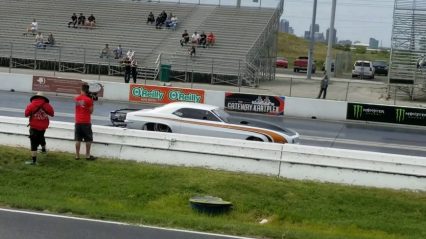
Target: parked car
[(380, 67), (363, 69), (301, 64), (282, 62), (204, 120)]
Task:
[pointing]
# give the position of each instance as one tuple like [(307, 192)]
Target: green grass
[(291, 47), (158, 195)]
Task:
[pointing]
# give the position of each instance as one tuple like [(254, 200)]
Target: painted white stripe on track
[(117, 223)]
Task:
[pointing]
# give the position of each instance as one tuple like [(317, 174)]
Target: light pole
[(331, 33), (311, 45)]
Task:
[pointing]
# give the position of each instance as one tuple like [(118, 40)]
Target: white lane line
[(118, 223), (364, 143), (67, 115)]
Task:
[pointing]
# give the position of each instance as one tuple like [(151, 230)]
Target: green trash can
[(165, 72)]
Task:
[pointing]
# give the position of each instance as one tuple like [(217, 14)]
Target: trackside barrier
[(286, 161)]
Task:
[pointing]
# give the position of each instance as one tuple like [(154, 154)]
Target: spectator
[(39, 41), (127, 69), (91, 21), (81, 20), (173, 23), (130, 54), (185, 38), (192, 50), (118, 52), (211, 39), (163, 17), (106, 52), (324, 86), (151, 18), (50, 40), (38, 111), (83, 122), (134, 68), (33, 28), (195, 38), (158, 22), (203, 40), (73, 20)]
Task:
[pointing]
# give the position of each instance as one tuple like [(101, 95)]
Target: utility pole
[(331, 32), (312, 43)]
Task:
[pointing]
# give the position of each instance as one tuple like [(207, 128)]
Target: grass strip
[(158, 195)]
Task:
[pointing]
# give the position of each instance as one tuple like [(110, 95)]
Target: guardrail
[(284, 161)]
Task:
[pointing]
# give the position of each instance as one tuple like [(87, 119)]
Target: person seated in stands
[(195, 38), (163, 17), (118, 52), (173, 23), (192, 50), (211, 39), (203, 40), (130, 54), (151, 18), (185, 38), (158, 22), (50, 40), (33, 28), (91, 21), (81, 20), (106, 52), (39, 41), (73, 21)]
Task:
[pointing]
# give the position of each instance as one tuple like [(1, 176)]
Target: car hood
[(261, 124)]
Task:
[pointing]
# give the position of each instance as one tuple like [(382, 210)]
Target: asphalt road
[(28, 225), (348, 135)]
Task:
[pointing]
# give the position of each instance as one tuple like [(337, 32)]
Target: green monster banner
[(386, 114)]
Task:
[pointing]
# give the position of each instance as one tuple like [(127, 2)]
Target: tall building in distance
[(374, 44), (334, 35), (285, 27)]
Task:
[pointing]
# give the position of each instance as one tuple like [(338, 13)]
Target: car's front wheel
[(162, 128)]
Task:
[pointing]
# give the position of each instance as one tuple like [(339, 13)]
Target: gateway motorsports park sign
[(386, 114), (250, 103), (164, 95)]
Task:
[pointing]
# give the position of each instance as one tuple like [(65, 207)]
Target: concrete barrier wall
[(17, 82), (288, 161), (314, 108)]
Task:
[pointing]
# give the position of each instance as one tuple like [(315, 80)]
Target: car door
[(199, 122)]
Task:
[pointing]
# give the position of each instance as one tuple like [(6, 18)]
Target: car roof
[(178, 105), (363, 61)]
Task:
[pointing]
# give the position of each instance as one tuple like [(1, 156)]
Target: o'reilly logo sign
[(387, 114), (399, 115)]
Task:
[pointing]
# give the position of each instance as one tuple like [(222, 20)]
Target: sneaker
[(30, 163), (91, 158), (43, 150)]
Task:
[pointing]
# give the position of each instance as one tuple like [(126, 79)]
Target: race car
[(203, 120)]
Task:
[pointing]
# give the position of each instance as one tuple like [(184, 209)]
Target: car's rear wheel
[(162, 128), (252, 138)]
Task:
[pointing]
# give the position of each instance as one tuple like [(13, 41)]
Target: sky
[(356, 20)]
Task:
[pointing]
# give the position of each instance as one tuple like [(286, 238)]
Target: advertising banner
[(250, 103), (65, 86), (164, 95), (387, 114)]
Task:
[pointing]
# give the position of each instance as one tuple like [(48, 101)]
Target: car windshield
[(223, 115), (379, 63), (361, 63)]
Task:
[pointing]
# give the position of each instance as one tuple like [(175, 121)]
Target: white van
[(363, 69)]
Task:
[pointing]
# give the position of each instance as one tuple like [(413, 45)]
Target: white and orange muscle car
[(203, 120)]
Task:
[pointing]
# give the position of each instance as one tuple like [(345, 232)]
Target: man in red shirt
[(83, 122), (38, 111)]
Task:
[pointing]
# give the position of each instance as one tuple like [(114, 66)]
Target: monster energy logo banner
[(388, 114)]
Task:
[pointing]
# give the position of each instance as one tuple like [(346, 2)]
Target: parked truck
[(301, 64)]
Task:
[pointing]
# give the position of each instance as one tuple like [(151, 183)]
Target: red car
[(282, 62)]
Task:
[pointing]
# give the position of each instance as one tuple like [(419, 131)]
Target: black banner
[(387, 114), (260, 104)]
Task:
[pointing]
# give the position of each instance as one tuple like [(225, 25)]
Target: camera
[(93, 95), (92, 90)]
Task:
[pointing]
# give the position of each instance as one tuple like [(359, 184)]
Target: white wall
[(289, 161), (215, 98), (18, 82), (116, 91), (320, 109)]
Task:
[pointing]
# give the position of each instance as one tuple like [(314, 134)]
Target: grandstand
[(244, 52)]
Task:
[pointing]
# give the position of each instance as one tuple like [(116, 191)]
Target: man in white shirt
[(33, 28)]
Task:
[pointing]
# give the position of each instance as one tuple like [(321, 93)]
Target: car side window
[(196, 114)]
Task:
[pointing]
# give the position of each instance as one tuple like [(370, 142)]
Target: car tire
[(162, 128), (253, 138), (294, 70)]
